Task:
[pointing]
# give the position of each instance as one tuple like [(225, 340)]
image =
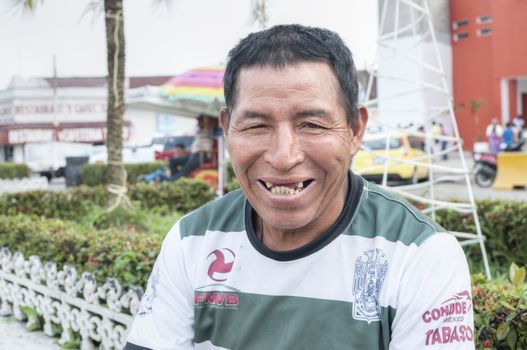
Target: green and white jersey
[(384, 276)]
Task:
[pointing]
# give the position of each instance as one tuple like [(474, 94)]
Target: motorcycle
[(484, 169)]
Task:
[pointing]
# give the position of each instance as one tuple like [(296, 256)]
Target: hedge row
[(111, 252), (14, 171), (182, 196), (503, 222), (95, 174)]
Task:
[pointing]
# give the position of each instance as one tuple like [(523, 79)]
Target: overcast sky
[(161, 40)]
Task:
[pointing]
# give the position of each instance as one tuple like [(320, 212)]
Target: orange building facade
[(489, 49)]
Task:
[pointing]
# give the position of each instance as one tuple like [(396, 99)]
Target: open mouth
[(286, 189)]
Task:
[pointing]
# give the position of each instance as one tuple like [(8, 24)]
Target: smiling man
[(307, 255)]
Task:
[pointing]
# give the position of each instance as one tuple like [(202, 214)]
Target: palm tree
[(115, 57), (259, 13), (115, 45)]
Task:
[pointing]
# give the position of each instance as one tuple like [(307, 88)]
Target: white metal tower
[(413, 88)]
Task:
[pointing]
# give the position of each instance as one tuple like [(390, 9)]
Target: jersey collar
[(353, 196)]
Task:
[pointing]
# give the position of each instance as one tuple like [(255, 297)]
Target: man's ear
[(359, 128), (224, 121)]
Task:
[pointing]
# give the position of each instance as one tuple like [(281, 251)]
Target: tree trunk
[(115, 45)]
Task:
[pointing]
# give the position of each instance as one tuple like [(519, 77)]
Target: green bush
[(14, 171), (500, 311), (95, 174), (106, 253), (69, 204), (181, 196), (503, 222)]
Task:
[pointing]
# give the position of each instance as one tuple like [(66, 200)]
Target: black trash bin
[(73, 170)]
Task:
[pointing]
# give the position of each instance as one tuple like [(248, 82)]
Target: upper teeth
[(284, 190)]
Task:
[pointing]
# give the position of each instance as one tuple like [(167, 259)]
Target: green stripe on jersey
[(224, 214), (383, 214), (285, 322)]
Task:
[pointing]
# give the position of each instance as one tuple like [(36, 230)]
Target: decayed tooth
[(297, 191), (268, 184), (300, 185), (274, 190)]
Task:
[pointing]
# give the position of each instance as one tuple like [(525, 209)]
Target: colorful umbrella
[(198, 91)]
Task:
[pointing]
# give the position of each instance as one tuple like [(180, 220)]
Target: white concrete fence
[(101, 314)]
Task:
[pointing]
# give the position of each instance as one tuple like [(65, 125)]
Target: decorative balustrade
[(25, 184), (100, 314)]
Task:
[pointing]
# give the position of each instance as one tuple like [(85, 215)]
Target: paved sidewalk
[(13, 336)]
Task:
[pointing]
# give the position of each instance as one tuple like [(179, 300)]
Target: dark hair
[(288, 44)]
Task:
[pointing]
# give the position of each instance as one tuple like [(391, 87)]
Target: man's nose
[(285, 151)]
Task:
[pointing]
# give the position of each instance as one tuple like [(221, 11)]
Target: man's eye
[(256, 126), (312, 126)]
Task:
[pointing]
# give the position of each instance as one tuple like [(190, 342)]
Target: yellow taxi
[(393, 148)]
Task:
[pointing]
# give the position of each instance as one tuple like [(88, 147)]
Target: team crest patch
[(370, 270), (150, 294)]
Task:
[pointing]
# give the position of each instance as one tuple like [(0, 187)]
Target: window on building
[(483, 19), (484, 31), (458, 36), (460, 23), (8, 153)]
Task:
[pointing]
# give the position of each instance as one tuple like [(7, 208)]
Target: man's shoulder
[(224, 214), (382, 213)]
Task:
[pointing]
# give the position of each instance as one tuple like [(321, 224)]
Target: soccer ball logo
[(221, 265)]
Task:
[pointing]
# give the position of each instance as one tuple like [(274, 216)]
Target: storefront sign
[(51, 108), (88, 134)]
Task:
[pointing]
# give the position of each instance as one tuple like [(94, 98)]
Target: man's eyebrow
[(254, 115), (311, 113)]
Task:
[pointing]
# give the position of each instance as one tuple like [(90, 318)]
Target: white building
[(73, 110)]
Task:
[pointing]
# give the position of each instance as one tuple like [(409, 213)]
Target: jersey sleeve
[(166, 316), (434, 302)]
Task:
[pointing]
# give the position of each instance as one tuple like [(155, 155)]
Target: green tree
[(475, 106)]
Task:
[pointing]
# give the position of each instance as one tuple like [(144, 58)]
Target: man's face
[(291, 145)]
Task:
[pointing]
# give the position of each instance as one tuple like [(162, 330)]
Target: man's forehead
[(262, 77), (280, 68)]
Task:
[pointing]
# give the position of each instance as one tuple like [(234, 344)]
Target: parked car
[(369, 162)]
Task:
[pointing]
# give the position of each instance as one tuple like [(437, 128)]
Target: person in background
[(444, 143), (200, 150), (509, 137), (163, 173), (436, 133), (518, 124), (494, 133)]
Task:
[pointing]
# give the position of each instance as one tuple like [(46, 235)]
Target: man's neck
[(278, 239)]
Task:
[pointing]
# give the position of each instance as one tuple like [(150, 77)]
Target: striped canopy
[(199, 86)]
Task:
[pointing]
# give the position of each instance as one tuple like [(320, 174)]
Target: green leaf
[(519, 276), (512, 271), (503, 330), (512, 338), (511, 317), (29, 311), (34, 326), (507, 305)]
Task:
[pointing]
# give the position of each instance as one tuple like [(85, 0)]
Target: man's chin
[(285, 222)]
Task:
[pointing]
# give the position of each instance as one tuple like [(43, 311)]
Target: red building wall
[(510, 37), (480, 62)]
